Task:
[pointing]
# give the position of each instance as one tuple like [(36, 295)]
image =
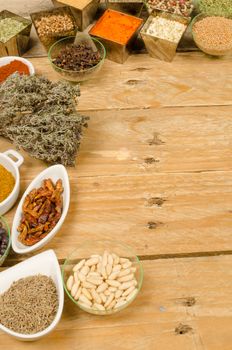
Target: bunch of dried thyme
[(40, 116)]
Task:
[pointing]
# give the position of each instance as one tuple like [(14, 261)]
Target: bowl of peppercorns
[(5, 240)]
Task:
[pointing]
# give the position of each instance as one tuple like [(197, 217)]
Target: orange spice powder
[(116, 26)]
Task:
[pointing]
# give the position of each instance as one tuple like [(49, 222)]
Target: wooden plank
[(192, 296), (192, 79)]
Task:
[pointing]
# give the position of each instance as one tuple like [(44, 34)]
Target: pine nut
[(99, 307), (94, 280), (93, 268), (123, 260), (88, 285), (113, 275), (74, 289), (103, 297), (84, 300), (87, 293), (118, 294), (126, 265), (79, 265), (112, 289), (117, 268), (107, 292), (102, 287), (108, 269), (76, 279), (111, 306), (110, 259), (126, 278), (81, 277), (119, 304), (132, 294), (70, 282), (85, 270), (105, 258), (128, 291), (116, 259), (103, 271), (126, 285), (123, 273), (109, 300), (96, 296), (92, 261), (113, 283), (78, 294)]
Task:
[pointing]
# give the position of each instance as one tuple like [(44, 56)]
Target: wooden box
[(84, 11), (116, 51), (132, 7), (18, 44), (161, 48), (50, 39)]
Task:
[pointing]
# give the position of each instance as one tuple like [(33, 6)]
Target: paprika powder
[(12, 67)]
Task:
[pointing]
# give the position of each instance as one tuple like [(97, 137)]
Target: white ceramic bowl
[(45, 263), (54, 172), (11, 166), (8, 59)]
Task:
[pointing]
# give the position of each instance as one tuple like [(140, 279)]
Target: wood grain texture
[(184, 304)]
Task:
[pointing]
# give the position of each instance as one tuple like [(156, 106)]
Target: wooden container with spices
[(162, 33), (132, 7), (17, 44), (117, 31), (84, 11), (54, 24)]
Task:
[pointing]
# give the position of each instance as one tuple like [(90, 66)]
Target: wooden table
[(154, 171)]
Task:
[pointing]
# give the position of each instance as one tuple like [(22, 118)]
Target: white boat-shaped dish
[(45, 263), (54, 172)]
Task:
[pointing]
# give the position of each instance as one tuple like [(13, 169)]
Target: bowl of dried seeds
[(102, 277), (5, 240), (76, 62)]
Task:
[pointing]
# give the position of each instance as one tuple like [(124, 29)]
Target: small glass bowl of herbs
[(5, 240), (76, 62)]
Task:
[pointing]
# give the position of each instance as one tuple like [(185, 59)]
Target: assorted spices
[(12, 67), (103, 282), (214, 33), (9, 27), (77, 57), (166, 29), (216, 7), (7, 182), (4, 240), (53, 24), (41, 210), (42, 118), (29, 305), (116, 26), (178, 7)]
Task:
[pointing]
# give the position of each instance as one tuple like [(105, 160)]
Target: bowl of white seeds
[(102, 277)]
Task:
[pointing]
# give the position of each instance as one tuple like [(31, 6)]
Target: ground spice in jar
[(116, 26), (29, 305), (7, 182), (77, 57), (10, 27), (166, 29), (214, 33), (178, 7), (51, 25), (12, 67)]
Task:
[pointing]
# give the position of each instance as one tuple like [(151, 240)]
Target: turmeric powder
[(7, 182)]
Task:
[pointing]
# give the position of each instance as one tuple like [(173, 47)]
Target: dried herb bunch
[(40, 116)]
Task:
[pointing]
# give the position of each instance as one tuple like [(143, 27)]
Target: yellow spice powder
[(7, 182)]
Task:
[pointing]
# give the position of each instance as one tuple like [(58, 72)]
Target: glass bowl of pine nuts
[(102, 277)]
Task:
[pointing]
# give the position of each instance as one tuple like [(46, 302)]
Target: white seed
[(102, 287), (103, 271), (103, 297), (116, 258), (74, 289), (110, 259), (81, 277), (93, 268), (105, 258), (70, 282), (121, 299), (78, 294), (123, 273), (85, 300), (79, 265), (108, 269), (123, 260), (133, 269), (95, 280), (109, 300), (85, 270), (126, 265), (118, 294), (112, 304), (96, 296), (87, 306), (88, 285), (126, 285), (135, 282), (94, 274), (132, 294), (92, 261), (87, 293), (107, 292), (126, 278), (113, 283), (128, 291), (76, 279), (112, 289), (117, 268), (119, 304), (113, 275), (99, 307)]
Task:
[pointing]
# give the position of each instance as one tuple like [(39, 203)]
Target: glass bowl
[(98, 247), (209, 51), (4, 224), (75, 76)]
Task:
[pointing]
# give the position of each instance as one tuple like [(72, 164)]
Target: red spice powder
[(12, 67), (116, 26)]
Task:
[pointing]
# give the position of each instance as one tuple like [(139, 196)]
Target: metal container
[(160, 48), (132, 7), (50, 39), (84, 11), (18, 44)]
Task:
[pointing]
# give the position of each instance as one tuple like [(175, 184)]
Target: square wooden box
[(132, 7), (115, 51), (49, 40), (17, 45), (160, 48), (84, 11)]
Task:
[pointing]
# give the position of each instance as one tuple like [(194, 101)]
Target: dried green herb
[(216, 7), (9, 27), (40, 116)]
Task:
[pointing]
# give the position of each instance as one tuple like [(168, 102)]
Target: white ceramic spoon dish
[(54, 172), (45, 263)]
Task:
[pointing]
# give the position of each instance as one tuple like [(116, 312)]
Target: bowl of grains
[(10, 162), (5, 240), (76, 62), (31, 297), (213, 34), (102, 277)]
